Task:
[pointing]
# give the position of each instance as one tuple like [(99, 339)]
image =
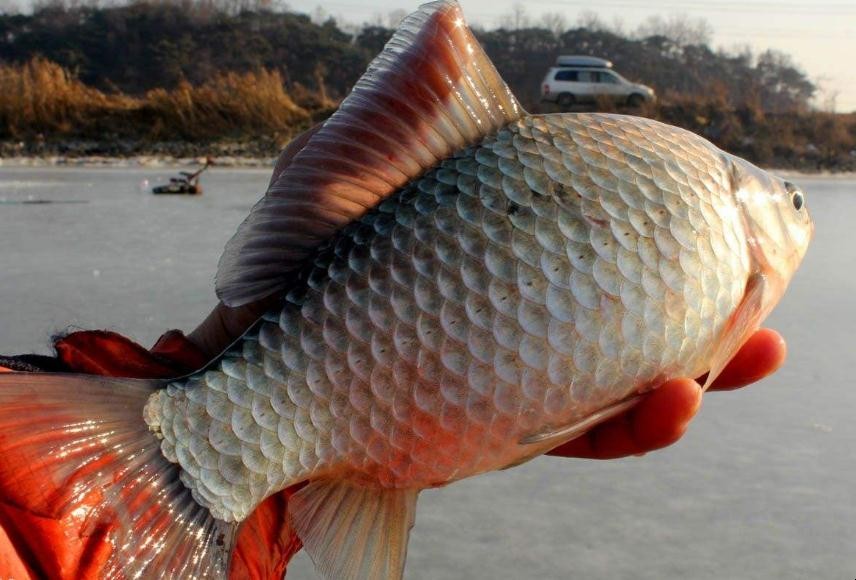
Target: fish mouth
[(777, 234)]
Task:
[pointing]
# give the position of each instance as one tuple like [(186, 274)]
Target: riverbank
[(137, 153), (152, 161), (176, 157), (46, 113), (808, 143)]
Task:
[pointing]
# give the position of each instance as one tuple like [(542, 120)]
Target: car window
[(606, 77), (566, 75), (587, 76)]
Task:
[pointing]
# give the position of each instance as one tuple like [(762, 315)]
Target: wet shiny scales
[(565, 263), (464, 286)]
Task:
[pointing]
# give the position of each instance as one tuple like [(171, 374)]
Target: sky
[(820, 36)]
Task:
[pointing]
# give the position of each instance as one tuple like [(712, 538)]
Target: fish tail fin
[(77, 446)]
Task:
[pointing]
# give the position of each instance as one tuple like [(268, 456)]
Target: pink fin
[(744, 321), (353, 532), (76, 446), (431, 92), (553, 437)]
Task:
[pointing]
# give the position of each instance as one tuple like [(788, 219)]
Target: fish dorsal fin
[(431, 91)]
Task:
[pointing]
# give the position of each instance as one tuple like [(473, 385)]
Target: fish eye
[(797, 197), (798, 200)]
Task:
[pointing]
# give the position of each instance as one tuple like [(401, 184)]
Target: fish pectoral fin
[(742, 323), (547, 439), (353, 532)]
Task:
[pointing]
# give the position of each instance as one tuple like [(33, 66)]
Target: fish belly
[(560, 266)]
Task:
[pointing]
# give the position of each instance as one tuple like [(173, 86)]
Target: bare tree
[(517, 19), (828, 99), (237, 6), (555, 22), (352, 29), (679, 28), (319, 15), (742, 51), (39, 5), (9, 7), (590, 20), (784, 86)]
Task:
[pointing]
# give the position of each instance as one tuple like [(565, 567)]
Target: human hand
[(224, 325), (662, 417)]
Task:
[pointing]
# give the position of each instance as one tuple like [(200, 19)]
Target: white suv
[(581, 79)]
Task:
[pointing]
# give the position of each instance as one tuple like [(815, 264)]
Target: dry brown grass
[(230, 103), (799, 139), (41, 98)]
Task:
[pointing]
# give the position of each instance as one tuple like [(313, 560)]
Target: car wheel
[(635, 100), (566, 100)]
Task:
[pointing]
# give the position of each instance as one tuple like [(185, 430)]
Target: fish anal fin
[(353, 532), (547, 439), (431, 92), (742, 323)]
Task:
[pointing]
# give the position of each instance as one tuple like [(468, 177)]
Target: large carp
[(464, 287)]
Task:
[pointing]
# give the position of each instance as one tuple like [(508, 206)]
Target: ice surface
[(763, 485)]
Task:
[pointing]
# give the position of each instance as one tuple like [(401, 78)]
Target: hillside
[(123, 79)]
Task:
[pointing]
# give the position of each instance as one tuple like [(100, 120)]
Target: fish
[(462, 287)]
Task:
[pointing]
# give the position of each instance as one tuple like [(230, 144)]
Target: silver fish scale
[(560, 266)]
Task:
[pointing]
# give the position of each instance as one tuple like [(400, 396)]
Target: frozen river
[(763, 485)]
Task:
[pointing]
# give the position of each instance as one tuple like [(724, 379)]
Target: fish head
[(776, 219), (778, 229)]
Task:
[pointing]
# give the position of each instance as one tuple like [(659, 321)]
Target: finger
[(660, 419), (761, 356), (224, 325)]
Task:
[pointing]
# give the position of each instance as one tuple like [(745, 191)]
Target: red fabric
[(101, 352), (36, 547), (266, 542)]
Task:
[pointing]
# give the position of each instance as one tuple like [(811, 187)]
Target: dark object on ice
[(37, 201), (187, 184)]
